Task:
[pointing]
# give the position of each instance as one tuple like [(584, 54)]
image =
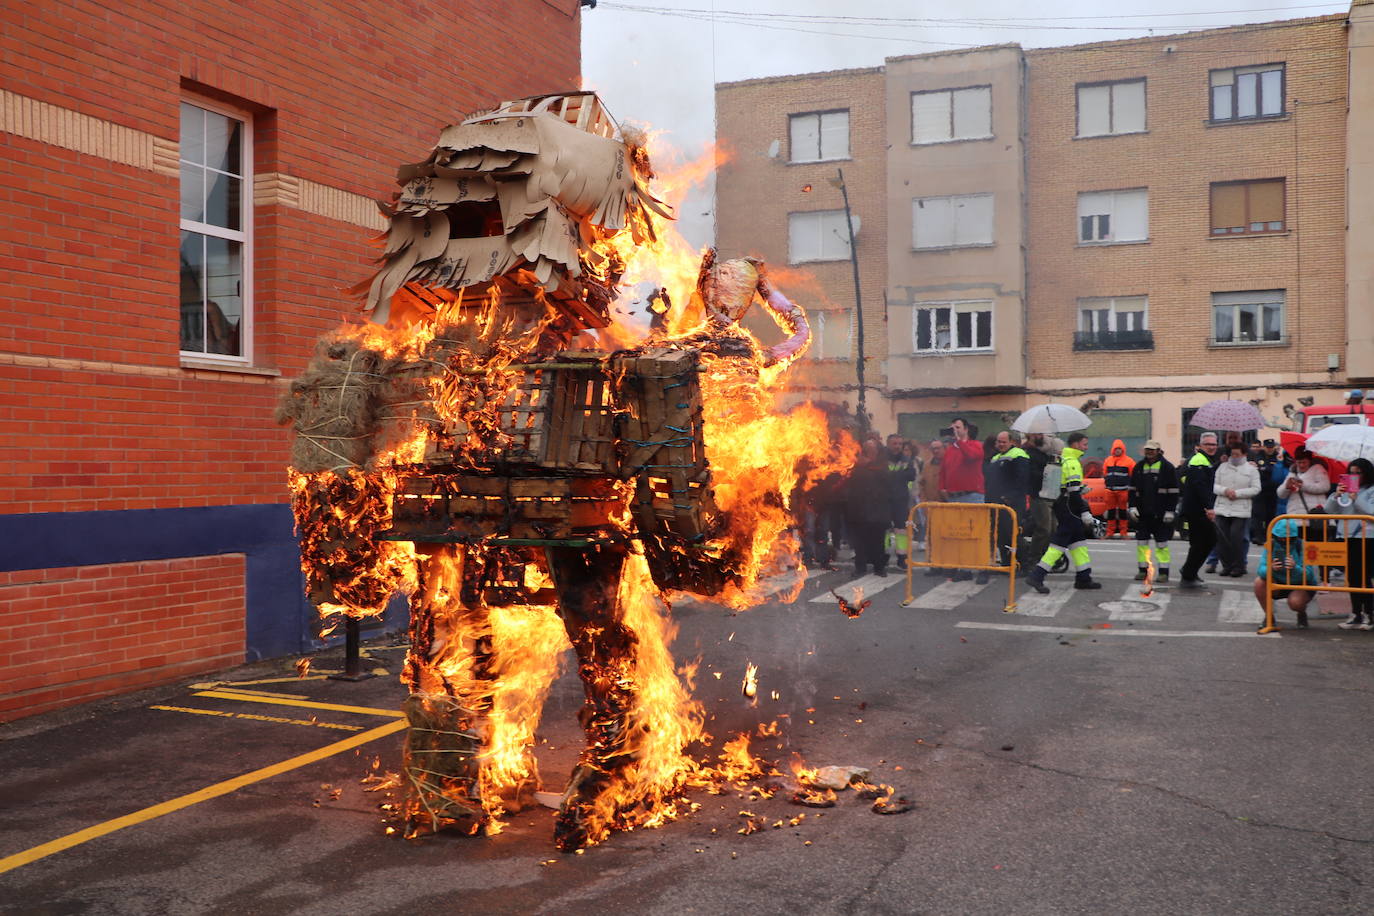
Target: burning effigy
[(537, 472)]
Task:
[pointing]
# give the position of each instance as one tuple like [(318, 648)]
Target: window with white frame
[(1111, 108), (819, 135), (216, 215), (1250, 317), (1114, 323), (951, 222), (817, 235), (1114, 216), (831, 332), (944, 327), (943, 115), (1243, 93)]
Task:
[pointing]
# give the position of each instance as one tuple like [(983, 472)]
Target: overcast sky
[(657, 61)]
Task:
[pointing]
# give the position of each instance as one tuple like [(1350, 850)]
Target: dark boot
[(1036, 579), (1302, 620), (1142, 573), (1083, 579)]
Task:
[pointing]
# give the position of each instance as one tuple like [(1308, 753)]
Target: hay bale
[(333, 405)]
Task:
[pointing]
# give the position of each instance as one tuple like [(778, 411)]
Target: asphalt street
[(1093, 752)]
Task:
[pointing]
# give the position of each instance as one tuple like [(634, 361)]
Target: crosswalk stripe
[(870, 583), (948, 595), (1134, 606), (1123, 631), (1239, 607), (1032, 604)]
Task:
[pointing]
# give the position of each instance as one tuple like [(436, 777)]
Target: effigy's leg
[(449, 672), (587, 583)]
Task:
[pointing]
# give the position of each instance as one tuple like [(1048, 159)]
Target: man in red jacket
[(1116, 472), (961, 470)]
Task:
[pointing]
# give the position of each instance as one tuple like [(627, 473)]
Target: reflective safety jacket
[(1116, 470), (1196, 486), (1154, 487), (1071, 503), (1009, 478)]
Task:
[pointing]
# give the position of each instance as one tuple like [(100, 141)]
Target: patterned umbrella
[(1051, 418), (1343, 442), (1229, 416)]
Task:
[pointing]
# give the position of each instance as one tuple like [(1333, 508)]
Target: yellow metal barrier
[(1322, 552), (962, 536)]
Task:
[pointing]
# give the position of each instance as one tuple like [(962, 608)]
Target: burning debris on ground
[(539, 475)]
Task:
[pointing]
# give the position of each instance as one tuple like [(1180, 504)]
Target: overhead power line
[(774, 22), (891, 20)]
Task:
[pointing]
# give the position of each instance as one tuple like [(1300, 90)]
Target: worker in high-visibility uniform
[(1116, 474), (1073, 522), (1154, 499)]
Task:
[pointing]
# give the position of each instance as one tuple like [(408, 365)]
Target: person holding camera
[(1073, 522), (1289, 571)]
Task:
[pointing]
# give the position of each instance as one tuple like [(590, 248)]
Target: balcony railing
[(1113, 340)]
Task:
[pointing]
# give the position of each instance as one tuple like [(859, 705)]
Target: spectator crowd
[(1222, 499)]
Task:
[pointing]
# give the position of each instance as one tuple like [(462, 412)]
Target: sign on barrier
[(963, 536), (1325, 553)]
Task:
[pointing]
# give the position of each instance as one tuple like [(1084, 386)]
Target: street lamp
[(838, 181)]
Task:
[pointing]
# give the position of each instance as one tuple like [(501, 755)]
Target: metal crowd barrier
[(962, 536), (1320, 548)]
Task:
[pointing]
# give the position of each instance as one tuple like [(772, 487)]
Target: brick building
[(185, 191), (1146, 224)]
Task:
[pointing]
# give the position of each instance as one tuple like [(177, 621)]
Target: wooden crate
[(462, 508), (661, 444)]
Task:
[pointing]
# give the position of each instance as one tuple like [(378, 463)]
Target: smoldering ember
[(534, 471)]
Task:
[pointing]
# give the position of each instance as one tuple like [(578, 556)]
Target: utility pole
[(862, 409)]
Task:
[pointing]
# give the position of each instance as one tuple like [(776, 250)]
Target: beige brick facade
[(1037, 270), (760, 186)]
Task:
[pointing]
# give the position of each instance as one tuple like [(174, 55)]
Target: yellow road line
[(335, 707), (259, 718), (220, 788), (255, 693), (211, 685)]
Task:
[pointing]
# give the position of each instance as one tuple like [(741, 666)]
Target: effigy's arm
[(788, 316)]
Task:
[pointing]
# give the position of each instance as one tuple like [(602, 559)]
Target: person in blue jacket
[(1289, 570)]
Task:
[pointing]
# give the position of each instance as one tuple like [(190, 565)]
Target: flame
[(750, 687), (737, 765), (1148, 587)]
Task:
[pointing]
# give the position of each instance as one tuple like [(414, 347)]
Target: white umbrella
[(1343, 442), (1051, 418)]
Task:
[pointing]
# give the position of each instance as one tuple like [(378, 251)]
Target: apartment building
[(186, 191), (956, 239), (1187, 219), (1137, 226)]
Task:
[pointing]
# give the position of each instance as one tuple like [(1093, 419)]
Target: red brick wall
[(75, 634), (343, 93)]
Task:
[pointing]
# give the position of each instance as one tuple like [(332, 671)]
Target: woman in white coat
[(1236, 483), (1307, 484)]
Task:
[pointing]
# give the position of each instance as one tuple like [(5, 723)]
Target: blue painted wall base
[(279, 619)]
